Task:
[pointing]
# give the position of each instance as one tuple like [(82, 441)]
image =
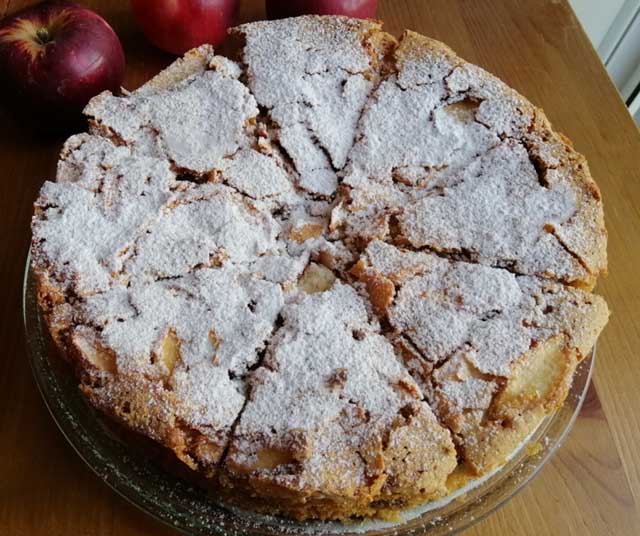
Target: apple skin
[(362, 9), (176, 26), (54, 57)]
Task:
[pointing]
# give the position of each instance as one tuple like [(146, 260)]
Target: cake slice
[(493, 352), (334, 425), (450, 159), (193, 121), (165, 358), (331, 65)]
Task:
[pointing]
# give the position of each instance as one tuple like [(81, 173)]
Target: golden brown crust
[(52, 302), (143, 405), (405, 466), (539, 384), (193, 62), (147, 407)]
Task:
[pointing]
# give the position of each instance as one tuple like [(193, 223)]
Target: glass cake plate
[(193, 511)]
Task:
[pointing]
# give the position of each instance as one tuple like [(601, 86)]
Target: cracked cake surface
[(472, 168), (329, 275), (334, 428)]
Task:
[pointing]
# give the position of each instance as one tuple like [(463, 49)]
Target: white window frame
[(620, 51)]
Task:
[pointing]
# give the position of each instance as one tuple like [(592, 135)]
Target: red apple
[(54, 57), (179, 25), (280, 9)]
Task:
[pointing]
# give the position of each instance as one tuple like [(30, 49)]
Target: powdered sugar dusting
[(471, 393), (412, 128), (330, 386), (257, 175), (443, 306), (195, 124), (496, 211), (86, 222), (206, 224), (330, 75), (206, 311), (464, 174)]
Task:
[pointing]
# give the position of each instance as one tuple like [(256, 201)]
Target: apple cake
[(336, 274)]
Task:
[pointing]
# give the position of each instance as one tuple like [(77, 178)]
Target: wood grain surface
[(592, 485)]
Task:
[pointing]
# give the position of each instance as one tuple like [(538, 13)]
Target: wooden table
[(592, 486)]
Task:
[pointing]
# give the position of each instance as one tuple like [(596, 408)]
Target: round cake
[(337, 275)]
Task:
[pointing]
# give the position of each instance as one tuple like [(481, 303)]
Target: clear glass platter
[(193, 511)]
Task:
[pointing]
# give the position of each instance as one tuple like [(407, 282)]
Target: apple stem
[(43, 36)]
